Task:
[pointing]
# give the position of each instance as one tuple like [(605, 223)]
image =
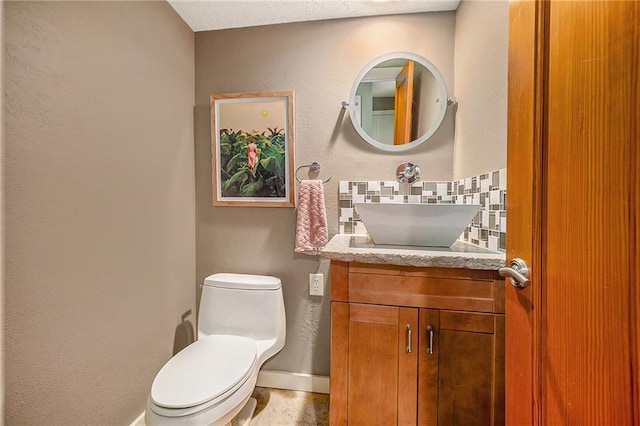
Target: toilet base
[(243, 418)]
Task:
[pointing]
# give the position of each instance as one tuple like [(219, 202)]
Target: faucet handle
[(415, 172), (407, 173)]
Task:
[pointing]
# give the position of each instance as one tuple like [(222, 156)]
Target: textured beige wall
[(318, 61), (99, 209), (481, 87)]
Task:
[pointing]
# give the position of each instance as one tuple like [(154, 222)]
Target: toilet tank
[(242, 305)]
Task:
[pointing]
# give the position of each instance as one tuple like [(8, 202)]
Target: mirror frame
[(439, 114)]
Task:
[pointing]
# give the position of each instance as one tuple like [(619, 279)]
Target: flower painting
[(252, 149)]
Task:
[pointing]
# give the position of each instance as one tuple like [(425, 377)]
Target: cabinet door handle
[(429, 339), (408, 347)]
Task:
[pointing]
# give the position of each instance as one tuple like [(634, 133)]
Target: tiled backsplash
[(488, 229)]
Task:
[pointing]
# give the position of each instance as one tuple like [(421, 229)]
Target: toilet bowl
[(240, 325)]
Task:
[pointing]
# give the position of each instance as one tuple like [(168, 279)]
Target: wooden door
[(381, 365), (461, 375), (572, 164), (403, 104)]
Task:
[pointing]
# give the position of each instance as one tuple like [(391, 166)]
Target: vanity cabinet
[(416, 345)]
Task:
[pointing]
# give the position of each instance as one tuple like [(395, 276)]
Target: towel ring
[(313, 167)]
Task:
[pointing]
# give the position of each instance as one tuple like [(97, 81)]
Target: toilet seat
[(203, 374)]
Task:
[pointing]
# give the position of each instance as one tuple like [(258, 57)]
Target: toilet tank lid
[(243, 281)]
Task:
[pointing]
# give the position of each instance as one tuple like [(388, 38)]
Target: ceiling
[(206, 15)]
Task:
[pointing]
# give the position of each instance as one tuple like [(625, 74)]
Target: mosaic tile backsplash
[(488, 229)]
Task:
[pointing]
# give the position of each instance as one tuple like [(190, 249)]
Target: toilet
[(241, 324)]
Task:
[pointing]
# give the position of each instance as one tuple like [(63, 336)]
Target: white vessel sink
[(430, 225)]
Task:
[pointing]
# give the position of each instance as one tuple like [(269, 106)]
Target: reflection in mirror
[(398, 101)]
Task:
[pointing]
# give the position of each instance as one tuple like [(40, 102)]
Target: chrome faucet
[(407, 173)]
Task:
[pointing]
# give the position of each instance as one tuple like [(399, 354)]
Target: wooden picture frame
[(252, 149)]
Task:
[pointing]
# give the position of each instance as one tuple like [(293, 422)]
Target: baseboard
[(139, 421), (293, 381)]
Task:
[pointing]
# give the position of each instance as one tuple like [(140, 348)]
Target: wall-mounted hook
[(345, 104)]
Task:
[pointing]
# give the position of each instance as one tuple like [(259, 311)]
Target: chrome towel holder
[(314, 168)]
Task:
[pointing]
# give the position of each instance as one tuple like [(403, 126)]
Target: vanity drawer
[(441, 288)]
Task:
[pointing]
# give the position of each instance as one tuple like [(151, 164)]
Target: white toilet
[(241, 324)]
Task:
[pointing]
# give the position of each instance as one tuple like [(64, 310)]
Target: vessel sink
[(430, 225)]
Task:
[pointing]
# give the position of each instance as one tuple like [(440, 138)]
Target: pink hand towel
[(311, 220)]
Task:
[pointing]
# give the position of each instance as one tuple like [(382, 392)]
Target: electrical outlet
[(316, 284)]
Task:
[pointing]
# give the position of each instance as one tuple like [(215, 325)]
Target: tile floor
[(277, 407)]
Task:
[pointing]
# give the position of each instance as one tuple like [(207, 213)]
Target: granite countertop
[(360, 248)]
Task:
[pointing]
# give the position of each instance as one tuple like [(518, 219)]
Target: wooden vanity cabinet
[(415, 345)]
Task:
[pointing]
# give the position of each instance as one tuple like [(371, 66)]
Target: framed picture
[(252, 149)]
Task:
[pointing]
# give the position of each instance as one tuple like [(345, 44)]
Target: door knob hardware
[(517, 272)]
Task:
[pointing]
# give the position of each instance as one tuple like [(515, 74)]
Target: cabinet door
[(382, 365), (461, 368)]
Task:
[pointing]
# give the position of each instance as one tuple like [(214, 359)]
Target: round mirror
[(398, 101)]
